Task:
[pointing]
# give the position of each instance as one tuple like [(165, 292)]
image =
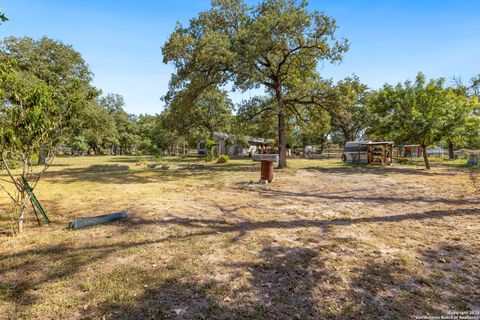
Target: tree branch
[(45, 168), (14, 181), (250, 117), (297, 113)]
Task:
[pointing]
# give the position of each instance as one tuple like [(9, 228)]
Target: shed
[(412, 151), (379, 152), (368, 152)]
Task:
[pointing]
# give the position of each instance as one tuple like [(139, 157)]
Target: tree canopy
[(125, 126), (206, 113), (275, 44), (44, 68), (423, 112), (56, 65), (349, 115), (29, 115)]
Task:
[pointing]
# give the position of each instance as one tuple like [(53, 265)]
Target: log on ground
[(91, 221)]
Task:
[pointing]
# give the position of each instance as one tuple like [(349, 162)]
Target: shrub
[(79, 143), (210, 146), (223, 159), (208, 158)]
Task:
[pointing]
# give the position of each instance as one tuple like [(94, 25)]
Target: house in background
[(235, 146), (64, 150), (435, 152)]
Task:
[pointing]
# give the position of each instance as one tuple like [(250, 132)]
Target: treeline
[(48, 100), (46, 88), (419, 111), (277, 45)]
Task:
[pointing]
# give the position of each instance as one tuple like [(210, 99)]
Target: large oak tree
[(275, 44)]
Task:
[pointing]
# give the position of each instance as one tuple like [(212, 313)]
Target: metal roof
[(225, 136), (377, 142)]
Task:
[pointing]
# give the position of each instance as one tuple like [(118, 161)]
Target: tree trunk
[(322, 144), (425, 157), (42, 155), (21, 215), (282, 139), (451, 155), (282, 128), (304, 147), (348, 135)]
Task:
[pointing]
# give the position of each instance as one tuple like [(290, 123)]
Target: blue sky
[(121, 39)]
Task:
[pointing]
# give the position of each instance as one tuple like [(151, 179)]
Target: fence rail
[(325, 155)]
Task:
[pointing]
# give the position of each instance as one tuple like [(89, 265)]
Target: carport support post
[(384, 155)]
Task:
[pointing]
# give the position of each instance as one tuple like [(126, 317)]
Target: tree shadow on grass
[(130, 159), (206, 227), (349, 169), (215, 226), (182, 159), (297, 283), (53, 165), (344, 196), (282, 283), (454, 267), (281, 287), (229, 167), (117, 174), (106, 174), (433, 285), (385, 289)]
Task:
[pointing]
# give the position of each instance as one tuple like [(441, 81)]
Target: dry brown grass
[(323, 241)]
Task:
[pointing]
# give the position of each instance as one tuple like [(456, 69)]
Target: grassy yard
[(323, 241)]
